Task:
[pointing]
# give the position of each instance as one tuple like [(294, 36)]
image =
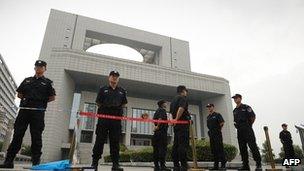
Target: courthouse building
[(8, 108), (78, 74)]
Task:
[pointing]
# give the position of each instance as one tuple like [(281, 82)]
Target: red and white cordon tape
[(106, 116)]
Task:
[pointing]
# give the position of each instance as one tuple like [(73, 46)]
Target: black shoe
[(95, 164), (7, 165), (35, 162), (258, 166), (223, 166), (117, 168)]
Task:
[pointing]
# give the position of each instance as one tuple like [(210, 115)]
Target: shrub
[(298, 152), (26, 150), (202, 148), (123, 148)]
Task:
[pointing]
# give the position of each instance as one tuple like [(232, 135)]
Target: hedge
[(202, 148)]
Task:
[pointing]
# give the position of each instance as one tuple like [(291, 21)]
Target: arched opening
[(116, 50)]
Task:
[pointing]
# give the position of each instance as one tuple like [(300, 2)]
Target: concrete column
[(128, 127)]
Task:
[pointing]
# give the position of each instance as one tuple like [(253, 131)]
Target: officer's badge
[(27, 81), (43, 83), (106, 91), (120, 92), (249, 109)]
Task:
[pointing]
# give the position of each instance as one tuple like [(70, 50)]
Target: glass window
[(87, 124), (124, 123), (140, 142), (86, 136), (142, 127)]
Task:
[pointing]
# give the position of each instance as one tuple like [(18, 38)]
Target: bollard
[(194, 156), (270, 151)]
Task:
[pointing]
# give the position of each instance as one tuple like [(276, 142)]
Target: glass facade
[(87, 124), (143, 127)]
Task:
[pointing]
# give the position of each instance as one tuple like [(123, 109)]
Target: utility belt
[(111, 110), (33, 103), (242, 125), (213, 131)]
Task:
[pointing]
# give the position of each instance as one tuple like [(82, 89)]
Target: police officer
[(215, 122), (244, 117), (110, 100), (179, 111), (35, 92), (159, 140), (286, 140)]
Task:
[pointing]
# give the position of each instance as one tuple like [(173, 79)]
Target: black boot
[(176, 166), (95, 163), (215, 166), (163, 167), (116, 167), (156, 166), (36, 161), (184, 166), (258, 166), (8, 163), (223, 165)]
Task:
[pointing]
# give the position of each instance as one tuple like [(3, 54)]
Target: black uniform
[(181, 132), (216, 139), (36, 92), (159, 140), (286, 140), (243, 116), (111, 102)]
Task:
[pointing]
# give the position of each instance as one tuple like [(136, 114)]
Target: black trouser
[(217, 146), (26, 117), (180, 145), (246, 136), (159, 142), (289, 151), (105, 128)]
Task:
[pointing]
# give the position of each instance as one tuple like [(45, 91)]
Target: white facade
[(77, 73), (8, 108)]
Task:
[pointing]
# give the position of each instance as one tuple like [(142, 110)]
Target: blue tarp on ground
[(56, 165)]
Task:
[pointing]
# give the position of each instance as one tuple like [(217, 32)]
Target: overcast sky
[(258, 45)]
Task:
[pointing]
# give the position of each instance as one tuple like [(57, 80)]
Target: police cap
[(114, 73), (210, 105), (40, 63), (236, 96)]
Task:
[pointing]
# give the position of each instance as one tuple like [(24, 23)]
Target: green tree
[(298, 152), (265, 156)]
